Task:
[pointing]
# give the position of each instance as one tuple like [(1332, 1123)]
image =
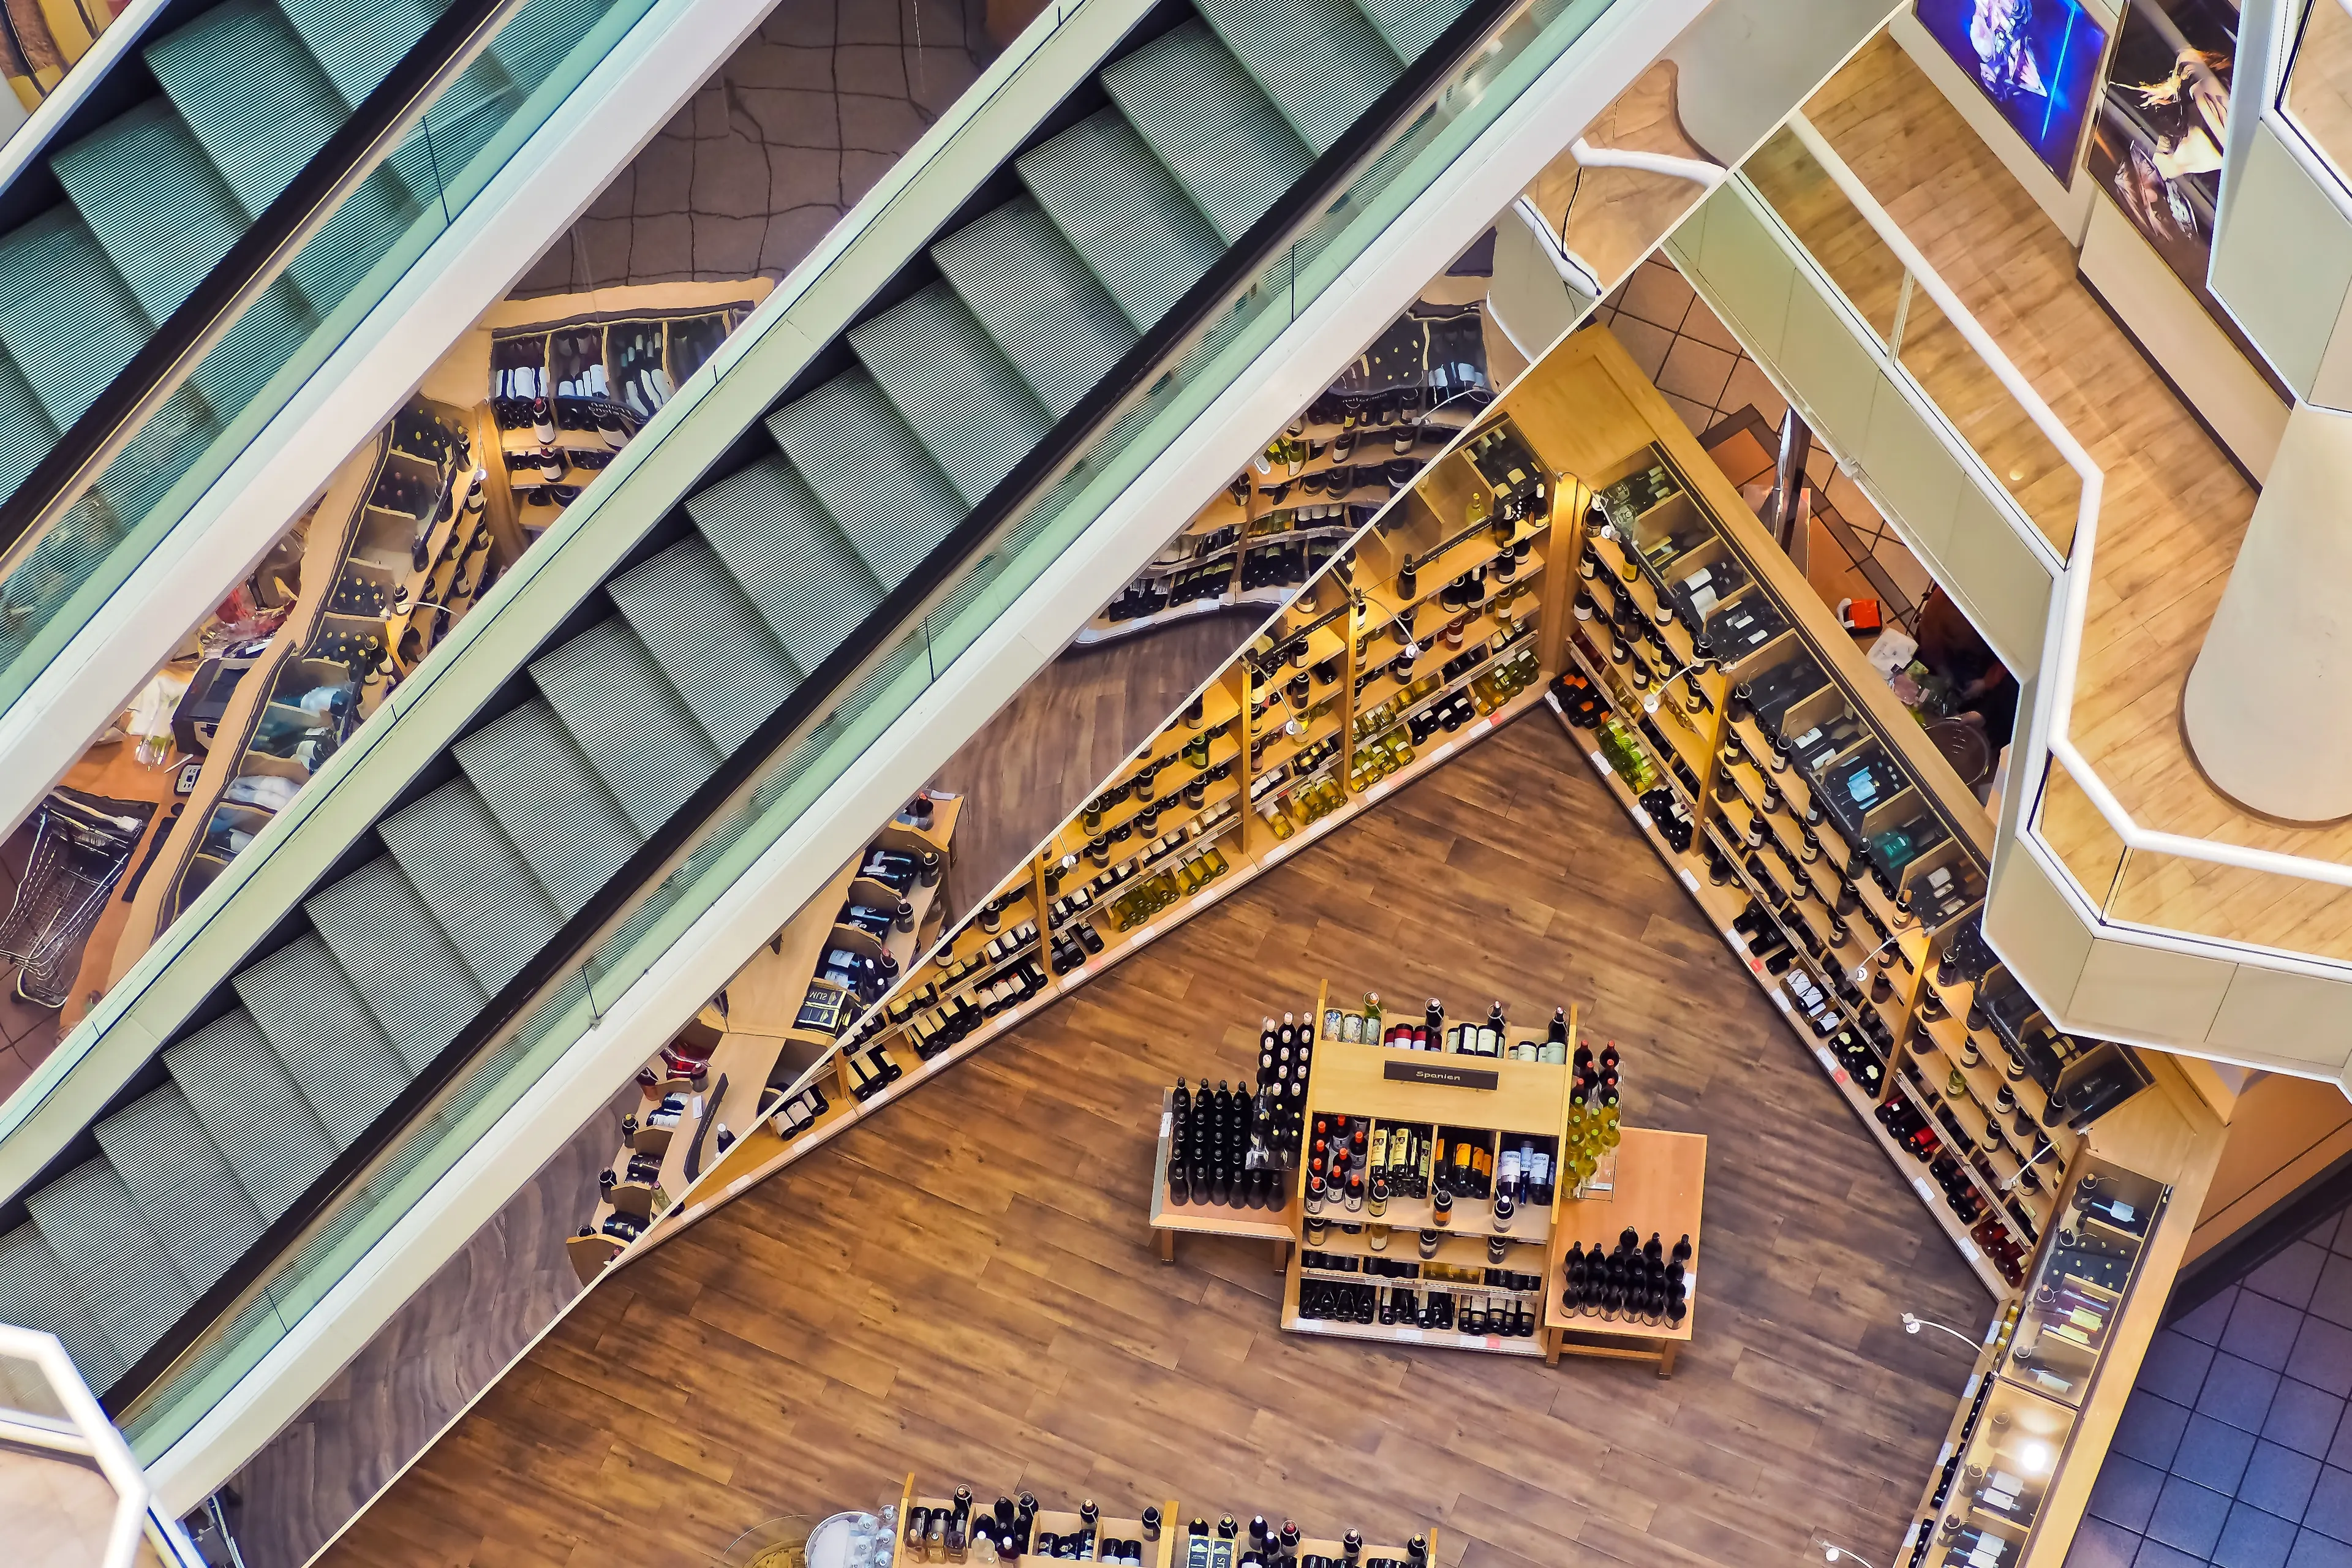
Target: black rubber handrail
[(1316, 190), (260, 255)]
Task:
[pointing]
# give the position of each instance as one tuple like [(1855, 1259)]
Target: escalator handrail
[(163, 364), (1389, 115)]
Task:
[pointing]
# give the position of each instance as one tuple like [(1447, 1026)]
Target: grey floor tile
[(2322, 1356), (2175, 1366), (2125, 1491), (2154, 1553), (2332, 1299), (2261, 1331), (2151, 1429), (2206, 1323), (2099, 1544), (2330, 1509), (2189, 1517), (2253, 1538), (2313, 1550), (2290, 1276), (2213, 1453), (2238, 1392), (2278, 1481), (2304, 1418)]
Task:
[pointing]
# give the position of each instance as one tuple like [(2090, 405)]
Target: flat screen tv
[(2036, 61)]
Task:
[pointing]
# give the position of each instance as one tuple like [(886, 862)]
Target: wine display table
[(1661, 1181), (1170, 1219)]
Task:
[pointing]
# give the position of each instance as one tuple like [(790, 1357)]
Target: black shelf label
[(1417, 1071)]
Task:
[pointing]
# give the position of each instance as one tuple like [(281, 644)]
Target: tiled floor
[(799, 123), (1700, 367), (2234, 1449)]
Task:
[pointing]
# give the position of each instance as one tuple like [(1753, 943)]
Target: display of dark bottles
[(1633, 1281)]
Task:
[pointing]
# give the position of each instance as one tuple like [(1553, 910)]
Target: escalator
[(214, 210), (1073, 280)]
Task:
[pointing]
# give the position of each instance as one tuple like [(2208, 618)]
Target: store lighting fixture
[(1912, 1325), (1840, 1554)]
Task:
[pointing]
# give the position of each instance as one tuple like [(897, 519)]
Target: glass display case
[(2004, 1472), (2100, 1230)]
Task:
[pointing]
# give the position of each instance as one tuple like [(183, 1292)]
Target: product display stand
[(1661, 1179), (1201, 1538), (1055, 1523), (1453, 1101), (1254, 769), (1170, 1219), (754, 1041)]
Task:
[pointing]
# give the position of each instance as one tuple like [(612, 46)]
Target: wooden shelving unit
[(751, 1035), (1504, 1097), (1255, 805), (1170, 1219), (1660, 1189), (1174, 1533)]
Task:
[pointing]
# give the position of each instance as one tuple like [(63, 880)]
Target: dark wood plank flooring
[(441, 1347), (1026, 771), (1078, 717), (965, 1285)]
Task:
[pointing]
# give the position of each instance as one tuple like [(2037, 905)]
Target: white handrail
[(2071, 572)]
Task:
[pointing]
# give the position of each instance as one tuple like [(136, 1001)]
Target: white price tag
[(1380, 789), (1829, 1063), (1600, 763), (1926, 1194), (1968, 1249), (1782, 1003), (1166, 1122), (1411, 1336), (1640, 818), (1145, 933), (1689, 880), (1969, 1391), (806, 1141)]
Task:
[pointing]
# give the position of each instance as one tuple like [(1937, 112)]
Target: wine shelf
[(1719, 908)]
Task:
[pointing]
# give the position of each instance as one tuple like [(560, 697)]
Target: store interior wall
[(2285, 1131)]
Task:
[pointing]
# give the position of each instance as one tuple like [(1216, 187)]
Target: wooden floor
[(1076, 719), (1031, 766), (964, 1284), (444, 1346), (2174, 513)]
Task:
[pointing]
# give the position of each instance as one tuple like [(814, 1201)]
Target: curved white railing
[(2048, 731)]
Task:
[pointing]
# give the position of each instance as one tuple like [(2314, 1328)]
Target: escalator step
[(257, 146), (181, 1185), (121, 1272), (789, 561), (155, 202), (709, 640), (559, 815), (66, 316), (1117, 204), (953, 389), (627, 719), (1321, 61), (253, 1111), (306, 1008), (869, 473), (358, 44), (1206, 120), (35, 1294), (1411, 26), (1038, 300), (399, 959), (480, 891)]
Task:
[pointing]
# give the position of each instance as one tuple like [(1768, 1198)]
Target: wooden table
[(1661, 1181), (1170, 1219)]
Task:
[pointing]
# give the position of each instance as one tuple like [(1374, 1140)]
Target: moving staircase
[(240, 102), (1201, 129)]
